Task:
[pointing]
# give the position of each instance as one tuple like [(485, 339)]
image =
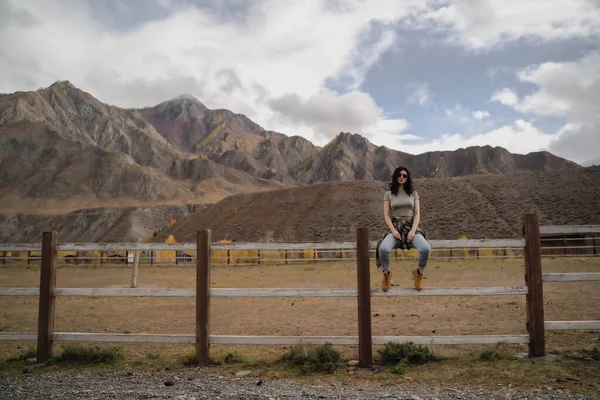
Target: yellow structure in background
[(167, 256)]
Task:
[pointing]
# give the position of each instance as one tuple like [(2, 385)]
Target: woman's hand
[(396, 234), (411, 235)]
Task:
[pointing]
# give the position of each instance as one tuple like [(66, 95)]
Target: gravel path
[(190, 385)]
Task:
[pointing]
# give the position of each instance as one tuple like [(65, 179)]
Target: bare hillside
[(486, 206)]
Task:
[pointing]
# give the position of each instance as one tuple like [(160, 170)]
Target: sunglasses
[(403, 176)]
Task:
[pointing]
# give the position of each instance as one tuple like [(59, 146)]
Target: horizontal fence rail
[(330, 246), (269, 292), (572, 325), (571, 277), (266, 340)]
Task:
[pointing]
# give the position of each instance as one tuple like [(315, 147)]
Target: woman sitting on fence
[(402, 203)]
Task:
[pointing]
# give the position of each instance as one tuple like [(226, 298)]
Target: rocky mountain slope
[(61, 149), (235, 141), (483, 206), (106, 225)]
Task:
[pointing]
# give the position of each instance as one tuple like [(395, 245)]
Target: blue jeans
[(418, 243)]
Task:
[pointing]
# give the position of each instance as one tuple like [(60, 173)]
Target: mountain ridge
[(60, 146)]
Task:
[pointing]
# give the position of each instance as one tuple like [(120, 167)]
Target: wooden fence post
[(46, 299), (535, 290), (203, 297), (136, 262), (365, 350)]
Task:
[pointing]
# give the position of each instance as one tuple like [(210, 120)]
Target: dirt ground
[(436, 315)]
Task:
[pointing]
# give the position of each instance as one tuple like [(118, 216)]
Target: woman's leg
[(385, 247), (384, 255), (424, 249)]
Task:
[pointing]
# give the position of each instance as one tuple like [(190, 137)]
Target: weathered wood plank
[(18, 336), (466, 339), (571, 277), (267, 292), (46, 298), (123, 337), (456, 291), (203, 297), (124, 292), (377, 340), (568, 229), (535, 290), (572, 325), (283, 340), (20, 247), (282, 292), (363, 283), (19, 292), (435, 244), (125, 246), (477, 243)]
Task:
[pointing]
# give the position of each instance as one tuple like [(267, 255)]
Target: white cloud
[(479, 115), (505, 96), (485, 24), (570, 90), (420, 94), (329, 113), (522, 137), (386, 132), (280, 48)]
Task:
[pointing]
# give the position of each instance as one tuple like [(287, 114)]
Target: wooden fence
[(532, 289)]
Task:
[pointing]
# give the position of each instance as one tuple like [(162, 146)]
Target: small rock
[(241, 374), (259, 382), (352, 363), (31, 361), (28, 370), (169, 382)]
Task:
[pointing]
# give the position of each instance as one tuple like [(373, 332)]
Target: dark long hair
[(394, 186)]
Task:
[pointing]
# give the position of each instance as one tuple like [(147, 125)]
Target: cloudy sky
[(413, 75)]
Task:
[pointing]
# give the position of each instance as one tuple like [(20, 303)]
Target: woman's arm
[(416, 220), (388, 220)]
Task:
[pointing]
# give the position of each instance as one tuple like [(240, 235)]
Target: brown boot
[(418, 279), (387, 280)]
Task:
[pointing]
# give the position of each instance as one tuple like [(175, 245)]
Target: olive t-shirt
[(402, 204)]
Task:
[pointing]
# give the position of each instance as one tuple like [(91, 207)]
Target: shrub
[(496, 352), (399, 368), (89, 355), (322, 358), (584, 354), (394, 353), (234, 358)]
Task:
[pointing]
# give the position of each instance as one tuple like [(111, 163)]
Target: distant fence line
[(530, 247), (577, 241)]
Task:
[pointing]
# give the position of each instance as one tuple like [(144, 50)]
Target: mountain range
[(62, 150)]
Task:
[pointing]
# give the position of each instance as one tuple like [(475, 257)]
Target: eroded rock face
[(106, 225)]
